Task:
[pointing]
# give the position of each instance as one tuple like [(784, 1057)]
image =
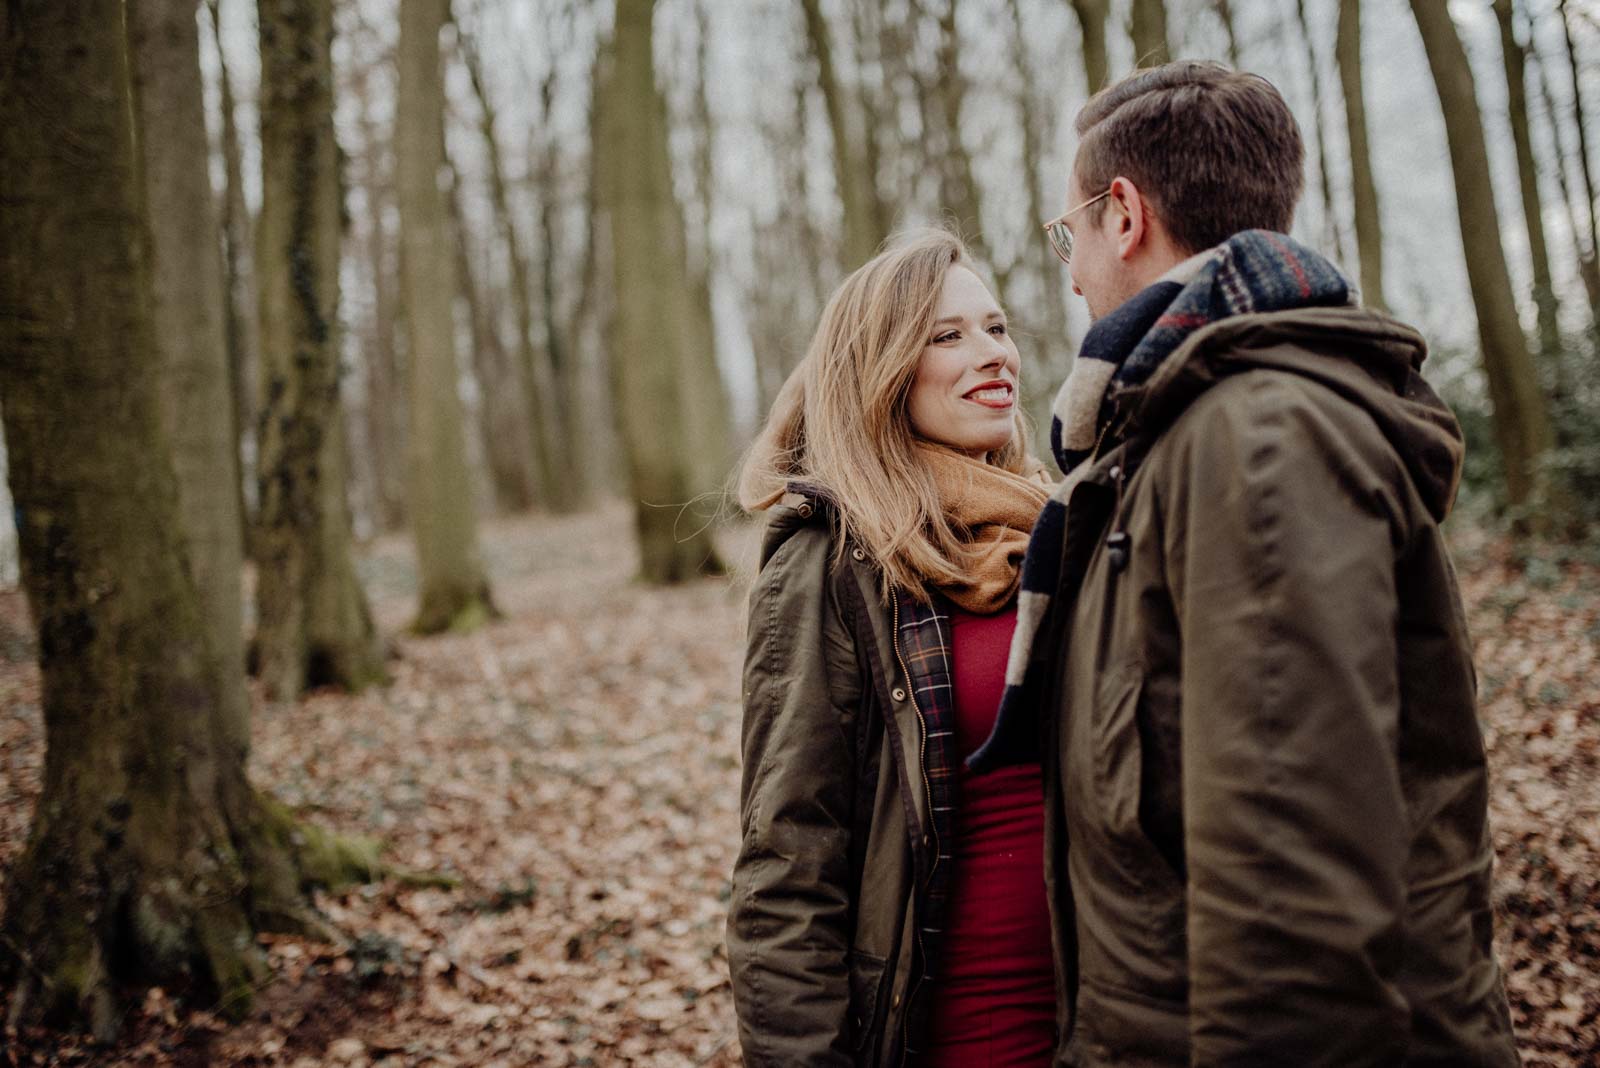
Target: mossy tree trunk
[(150, 859), (653, 307), (454, 587), (313, 626), (1521, 420), (1364, 190)]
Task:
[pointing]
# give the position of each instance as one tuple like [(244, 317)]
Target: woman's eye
[(998, 328), (949, 336)]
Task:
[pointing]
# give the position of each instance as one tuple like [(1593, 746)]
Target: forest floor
[(575, 765)]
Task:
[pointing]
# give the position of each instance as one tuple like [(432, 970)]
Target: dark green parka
[(1266, 838), (821, 926)]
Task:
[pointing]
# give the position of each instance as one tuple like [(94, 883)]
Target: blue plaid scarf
[(1253, 271)]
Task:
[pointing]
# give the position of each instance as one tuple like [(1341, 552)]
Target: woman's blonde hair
[(841, 423)]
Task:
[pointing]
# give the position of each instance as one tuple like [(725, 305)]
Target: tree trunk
[(454, 588), (150, 859), (187, 307), (385, 402), (1048, 324), (1224, 10), (1147, 25), (503, 423), (1544, 294), (1583, 154), (548, 434), (313, 626), (1521, 422), (710, 412), (876, 97), (244, 342), (861, 236), (1330, 214), (1093, 15), (1364, 190), (653, 306), (1588, 263), (959, 197)]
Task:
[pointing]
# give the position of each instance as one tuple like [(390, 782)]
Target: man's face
[(1098, 271)]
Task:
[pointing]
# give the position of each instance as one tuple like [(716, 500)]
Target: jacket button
[(805, 511), (858, 554), (898, 693)]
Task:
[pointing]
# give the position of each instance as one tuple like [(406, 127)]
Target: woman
[(886, 907)]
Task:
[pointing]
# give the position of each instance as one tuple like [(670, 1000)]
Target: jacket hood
[(1366, 357)]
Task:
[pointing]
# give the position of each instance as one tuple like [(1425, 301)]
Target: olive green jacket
[(1266, 794), (820, 937)]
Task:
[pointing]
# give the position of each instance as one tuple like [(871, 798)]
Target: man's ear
[(1132, 222)]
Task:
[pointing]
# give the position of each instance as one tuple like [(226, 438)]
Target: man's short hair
[(1216, 150)]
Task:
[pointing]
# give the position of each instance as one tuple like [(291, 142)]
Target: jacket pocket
[(1118, 754), (867, 973), (1138, 894)]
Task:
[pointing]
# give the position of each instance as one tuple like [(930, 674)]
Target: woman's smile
[(997, 394)]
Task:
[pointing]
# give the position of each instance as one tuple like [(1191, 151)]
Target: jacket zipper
[(927, 794)]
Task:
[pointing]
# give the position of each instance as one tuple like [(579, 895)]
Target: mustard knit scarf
[(993, 510)]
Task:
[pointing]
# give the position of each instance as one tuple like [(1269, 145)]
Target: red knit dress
[(994, 1000)]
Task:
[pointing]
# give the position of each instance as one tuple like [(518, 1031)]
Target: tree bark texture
[(652, 328), (454, 588), (1147, 25), (1330, 213), (1224, 10), (1093, 15), (503, 423), (1521, 421), (1364, 190), (150, 859), (959, 199), (1588, 262), (1584, 167), (386, 401), (851, 177), (542, 386), (189, 311), (244, 342), (313, 626), (1544, 295)]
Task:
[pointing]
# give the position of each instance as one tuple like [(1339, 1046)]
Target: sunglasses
[(1060, 236)]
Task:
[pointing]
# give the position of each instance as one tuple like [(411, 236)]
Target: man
[(1266, 796)]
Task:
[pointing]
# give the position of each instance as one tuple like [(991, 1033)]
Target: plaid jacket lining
[(924, 643)]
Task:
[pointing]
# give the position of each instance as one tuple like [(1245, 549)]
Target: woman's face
[(964, 394)]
